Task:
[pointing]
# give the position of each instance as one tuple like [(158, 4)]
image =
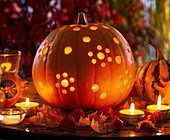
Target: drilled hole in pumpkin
[(86, 39), (128, 49), (125, 82), (63, 27), (90, 53), (84, 25), (109, 59), (116, 40), (103, 95), (76, 29), (71, 80), (57, 85), (39, 56), (72, 89), (107, 50), (103, 64), (73, 25), (126, 72), (118, 86), (94, 61), (100, 55), (50, 44), (64, 91), (95, 87), (65, 74), (67, 50), (130, 76), (120, 77), (45, 50), (64, 83), (44, 58), (122, 91), (45, 43), (106, 27), (40, 84), (58, 76), (40, 50), (118, 59), (93, 28), (99, 47), (50, 51)]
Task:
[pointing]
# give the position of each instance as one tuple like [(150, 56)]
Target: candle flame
[(159, 103), (27, 102), (10, 113), (132, 108)]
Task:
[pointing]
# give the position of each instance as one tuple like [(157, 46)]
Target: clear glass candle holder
[(9, 61)]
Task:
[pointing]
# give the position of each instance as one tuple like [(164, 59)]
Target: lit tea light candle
[(12, 116), (164, 109), (131, 116), (30, 107)]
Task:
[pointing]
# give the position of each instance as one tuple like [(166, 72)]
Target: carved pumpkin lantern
[(84, 65)]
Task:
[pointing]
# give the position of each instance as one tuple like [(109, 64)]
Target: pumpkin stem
[(159, 54), (82, 19)]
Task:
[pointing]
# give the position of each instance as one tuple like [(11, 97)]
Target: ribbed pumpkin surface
[(84, 66)]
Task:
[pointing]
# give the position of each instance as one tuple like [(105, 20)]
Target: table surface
[(26, 129)]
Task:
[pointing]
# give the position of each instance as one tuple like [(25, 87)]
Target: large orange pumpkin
[(86, 66)]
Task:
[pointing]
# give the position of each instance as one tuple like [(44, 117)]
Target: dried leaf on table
[(99, 127), (50, 119), (146, 125), (83, 122)]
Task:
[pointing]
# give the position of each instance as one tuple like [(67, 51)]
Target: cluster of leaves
[(24, 24)]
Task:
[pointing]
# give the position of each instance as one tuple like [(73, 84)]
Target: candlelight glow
[(5, 65), (27, 102), (159, 103), (132, 108)]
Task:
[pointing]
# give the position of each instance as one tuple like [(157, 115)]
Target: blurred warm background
[(24, 24)]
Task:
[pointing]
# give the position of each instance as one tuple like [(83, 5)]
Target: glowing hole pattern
[(63, 79), (118, 59), (40, 84), (90, 53), (106, 27), (93, 28), (66, 82), (67, 50), (116, 40), (95, 87), (86, 39), (76, 29), (100, 55), (50, 44), (45, 50), (99, 47), (103, 95)]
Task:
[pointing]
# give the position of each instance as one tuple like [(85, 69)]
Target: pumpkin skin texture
[(84, 66), (150, 74)]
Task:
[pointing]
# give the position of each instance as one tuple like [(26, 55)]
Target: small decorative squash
[(150, 75), (85, 66)]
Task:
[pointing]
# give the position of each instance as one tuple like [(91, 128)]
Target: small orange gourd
[(150, 74)]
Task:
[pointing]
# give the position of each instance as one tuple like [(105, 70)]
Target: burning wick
[(27, 102), (132, 108), (159, 103)]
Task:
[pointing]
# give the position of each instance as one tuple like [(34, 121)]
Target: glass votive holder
[(12, 116)]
